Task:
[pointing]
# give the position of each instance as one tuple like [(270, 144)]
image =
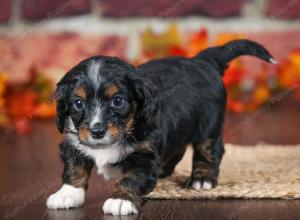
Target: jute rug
[(263, 171)]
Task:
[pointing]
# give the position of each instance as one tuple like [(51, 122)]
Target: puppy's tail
[(220, 56)]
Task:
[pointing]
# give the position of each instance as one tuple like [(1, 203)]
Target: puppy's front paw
[(67, 197), (119, 207), (200, 183)]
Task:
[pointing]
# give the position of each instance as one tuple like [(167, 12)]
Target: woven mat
[(263, 171)]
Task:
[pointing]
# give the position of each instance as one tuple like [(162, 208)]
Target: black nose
[(98, 131)]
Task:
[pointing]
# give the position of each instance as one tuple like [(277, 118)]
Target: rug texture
[(262, 171)]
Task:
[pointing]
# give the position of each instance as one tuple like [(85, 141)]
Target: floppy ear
[(142, 90), (63, 88), (139, 86), (61, 107)]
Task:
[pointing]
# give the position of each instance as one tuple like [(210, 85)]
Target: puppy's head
[(101, 96)]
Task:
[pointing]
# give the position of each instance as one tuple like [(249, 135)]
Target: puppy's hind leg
[(206, 160)]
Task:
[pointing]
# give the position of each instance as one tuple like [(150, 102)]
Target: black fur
[(178, 101)]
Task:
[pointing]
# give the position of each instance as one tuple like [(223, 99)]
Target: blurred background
[(42, 39)]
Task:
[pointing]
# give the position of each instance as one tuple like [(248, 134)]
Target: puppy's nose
[(98, 131)]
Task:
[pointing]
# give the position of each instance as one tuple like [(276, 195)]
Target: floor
[(30, 170)]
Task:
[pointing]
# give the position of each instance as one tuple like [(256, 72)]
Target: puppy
[(134, 123)]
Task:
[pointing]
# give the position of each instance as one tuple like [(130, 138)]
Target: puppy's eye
[(117, 102), (78, 104)]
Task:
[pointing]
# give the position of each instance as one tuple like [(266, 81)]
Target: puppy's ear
[(146, 106), (61, 106), (139, 86)]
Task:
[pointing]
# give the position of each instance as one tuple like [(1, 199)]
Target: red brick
[(38, 9), (5, 10), (283, 9), (170, 8), (221, 8), (57, 53)]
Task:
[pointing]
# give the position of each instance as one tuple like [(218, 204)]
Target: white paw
[(119, 207), (206, 185), (67, 197)]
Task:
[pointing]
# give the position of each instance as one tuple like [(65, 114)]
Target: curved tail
[(220, 56)]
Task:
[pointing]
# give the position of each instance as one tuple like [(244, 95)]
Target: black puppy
[(135, 122)]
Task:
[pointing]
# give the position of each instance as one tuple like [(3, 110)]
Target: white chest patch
[(103, 157)]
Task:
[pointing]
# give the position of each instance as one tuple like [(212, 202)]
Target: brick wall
[(5, 10), (276, 23), (38, 9), (44, 9)]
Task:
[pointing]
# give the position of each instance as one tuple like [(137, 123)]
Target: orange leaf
[(46, 110)]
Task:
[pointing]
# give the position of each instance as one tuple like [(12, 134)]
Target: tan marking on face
[(80, 91), (83, 134), (129, 125), (111, 90), (113, 130), (130, 122), (80, 177)]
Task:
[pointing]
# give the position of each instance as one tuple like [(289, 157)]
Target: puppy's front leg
[(77, 169), (139, 179)]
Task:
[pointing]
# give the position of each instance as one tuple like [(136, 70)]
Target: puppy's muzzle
[(98, 131)]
